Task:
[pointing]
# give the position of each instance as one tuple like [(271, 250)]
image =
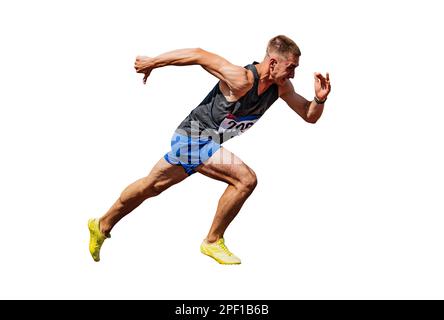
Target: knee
[(151, 189), (248, 181), (154, 189), (142, 192)]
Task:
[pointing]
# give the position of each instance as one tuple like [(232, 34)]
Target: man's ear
[(273, 63)]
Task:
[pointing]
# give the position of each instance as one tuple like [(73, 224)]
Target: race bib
[(237, 125)]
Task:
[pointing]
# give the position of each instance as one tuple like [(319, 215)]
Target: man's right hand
[(144, 65)]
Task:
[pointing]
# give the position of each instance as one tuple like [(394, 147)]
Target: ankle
[(212, 239), (104, 228)]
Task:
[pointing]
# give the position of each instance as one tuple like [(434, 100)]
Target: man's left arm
[(310, 111)]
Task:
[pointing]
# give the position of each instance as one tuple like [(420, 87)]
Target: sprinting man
[(238, 100)]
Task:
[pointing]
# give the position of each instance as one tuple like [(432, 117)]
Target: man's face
[(282, 68)]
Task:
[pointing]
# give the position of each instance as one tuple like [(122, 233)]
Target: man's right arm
[(237, 78)]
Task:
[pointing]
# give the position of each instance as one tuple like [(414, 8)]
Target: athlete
[(239, 99)]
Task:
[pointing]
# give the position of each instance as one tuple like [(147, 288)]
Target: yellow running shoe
[(96, 238), (219, 252)]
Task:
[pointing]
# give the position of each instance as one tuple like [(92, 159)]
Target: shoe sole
[(218, 260)]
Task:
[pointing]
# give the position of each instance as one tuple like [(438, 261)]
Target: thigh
[(225, 166)]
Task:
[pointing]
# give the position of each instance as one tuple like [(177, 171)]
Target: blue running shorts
[(190, 152)]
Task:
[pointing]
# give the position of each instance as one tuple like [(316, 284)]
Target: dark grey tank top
[(222, 120)]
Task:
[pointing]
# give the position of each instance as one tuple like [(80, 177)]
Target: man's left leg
[(162, 176)]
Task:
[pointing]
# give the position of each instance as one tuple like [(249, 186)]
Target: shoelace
[(224, 248), (99, 239)]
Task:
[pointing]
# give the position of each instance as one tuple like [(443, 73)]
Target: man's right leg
[(162, 176), (241, 179)]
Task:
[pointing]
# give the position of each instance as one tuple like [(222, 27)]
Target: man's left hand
[(322, 86)]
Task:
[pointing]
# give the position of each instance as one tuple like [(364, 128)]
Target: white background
[(349, 208)]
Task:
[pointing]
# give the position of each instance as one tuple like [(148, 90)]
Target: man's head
[(282, 57)]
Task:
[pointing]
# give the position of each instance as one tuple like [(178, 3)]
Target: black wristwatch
[(319, 101)]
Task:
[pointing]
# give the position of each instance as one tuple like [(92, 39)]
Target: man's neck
[(264, 73)]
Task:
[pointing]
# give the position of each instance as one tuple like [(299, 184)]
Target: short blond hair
[(283, 46)]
